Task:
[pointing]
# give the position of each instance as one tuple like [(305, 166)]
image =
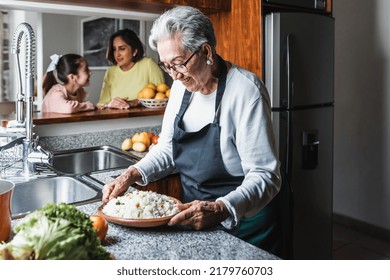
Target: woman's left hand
[(200, 214)]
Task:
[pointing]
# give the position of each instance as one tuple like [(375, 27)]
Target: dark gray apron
[(197, 156)]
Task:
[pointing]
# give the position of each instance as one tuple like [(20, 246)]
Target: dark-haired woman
[(130, 73), (63, 85)]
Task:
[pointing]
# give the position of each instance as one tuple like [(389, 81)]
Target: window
[(96, 33)]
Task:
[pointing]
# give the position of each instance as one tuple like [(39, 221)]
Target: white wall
[(61, 35), (362, 106)]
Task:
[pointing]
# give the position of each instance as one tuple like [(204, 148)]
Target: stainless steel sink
[(31, 195), (72, 183), (86, 160)]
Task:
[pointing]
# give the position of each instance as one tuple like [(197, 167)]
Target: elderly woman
[(216, 133)]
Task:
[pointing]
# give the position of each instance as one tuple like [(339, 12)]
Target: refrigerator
[(299, 75)]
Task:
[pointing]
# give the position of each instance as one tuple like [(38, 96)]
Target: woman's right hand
[(118, 103), (120, 184)]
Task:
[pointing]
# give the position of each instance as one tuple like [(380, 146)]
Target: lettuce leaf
[(55, 232)]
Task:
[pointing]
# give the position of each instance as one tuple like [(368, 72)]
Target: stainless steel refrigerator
[(299, 74)]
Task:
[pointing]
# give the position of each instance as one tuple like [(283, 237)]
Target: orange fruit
[(168, 92), (160, 95), (100, 225), (148, 93), (162, 87), (152, 86)]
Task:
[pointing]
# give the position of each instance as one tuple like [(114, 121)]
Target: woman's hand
[(200, 214), (120, 184), (90, 105), (118, 103)]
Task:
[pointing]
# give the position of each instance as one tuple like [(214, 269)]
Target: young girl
[(63, 85)]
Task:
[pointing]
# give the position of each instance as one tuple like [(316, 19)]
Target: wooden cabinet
[(238, 34), (147, 6)]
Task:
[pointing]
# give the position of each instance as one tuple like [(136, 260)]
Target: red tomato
[(155, 139), (150, 134), (101, 226)]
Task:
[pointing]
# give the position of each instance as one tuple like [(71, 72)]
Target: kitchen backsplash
[(91, 139)]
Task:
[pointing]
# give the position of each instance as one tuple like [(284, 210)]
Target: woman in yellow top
[(130, 73)]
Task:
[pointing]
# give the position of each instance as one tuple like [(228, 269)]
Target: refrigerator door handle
[(289, 71), (289, 113)]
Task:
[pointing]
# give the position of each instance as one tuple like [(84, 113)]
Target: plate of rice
[(140, 209)]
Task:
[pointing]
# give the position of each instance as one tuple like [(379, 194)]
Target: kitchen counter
[(175, 243), (172, 242), (165, 242)]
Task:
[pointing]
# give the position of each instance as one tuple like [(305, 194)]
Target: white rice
[(141, 205)]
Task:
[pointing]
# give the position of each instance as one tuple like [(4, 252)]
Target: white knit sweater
[(247, 141)]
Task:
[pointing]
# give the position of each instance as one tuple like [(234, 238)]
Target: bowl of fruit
[(154, 96)]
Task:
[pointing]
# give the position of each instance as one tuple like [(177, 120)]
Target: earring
[(209, 62)]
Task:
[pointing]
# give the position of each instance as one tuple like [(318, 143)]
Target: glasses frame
[(168, 69)]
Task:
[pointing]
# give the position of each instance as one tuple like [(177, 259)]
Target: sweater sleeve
[(256, 151), (57, 101)]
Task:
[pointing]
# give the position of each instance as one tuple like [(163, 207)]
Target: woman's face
[(123, 53), (83, 75), (197, 76)]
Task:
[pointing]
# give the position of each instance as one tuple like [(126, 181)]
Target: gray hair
[(193, 27)]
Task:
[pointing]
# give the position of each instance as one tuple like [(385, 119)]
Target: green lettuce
[(55, 232)]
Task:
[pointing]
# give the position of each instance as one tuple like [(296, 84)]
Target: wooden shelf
[(147, 6)]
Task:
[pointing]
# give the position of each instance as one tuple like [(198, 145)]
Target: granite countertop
[(176, 243), (169, 243)]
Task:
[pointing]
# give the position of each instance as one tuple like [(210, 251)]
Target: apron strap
[(184, 103)]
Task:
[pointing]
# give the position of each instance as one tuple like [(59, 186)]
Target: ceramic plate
[(141, 223)]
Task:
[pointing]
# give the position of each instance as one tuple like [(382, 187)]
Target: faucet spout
[(25, 100), (24, 103)]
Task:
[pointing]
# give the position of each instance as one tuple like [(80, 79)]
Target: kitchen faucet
[(31, 153)]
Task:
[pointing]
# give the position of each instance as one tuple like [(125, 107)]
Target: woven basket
[(154, 103)]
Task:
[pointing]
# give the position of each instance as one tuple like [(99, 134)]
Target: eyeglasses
[(179, 68)]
